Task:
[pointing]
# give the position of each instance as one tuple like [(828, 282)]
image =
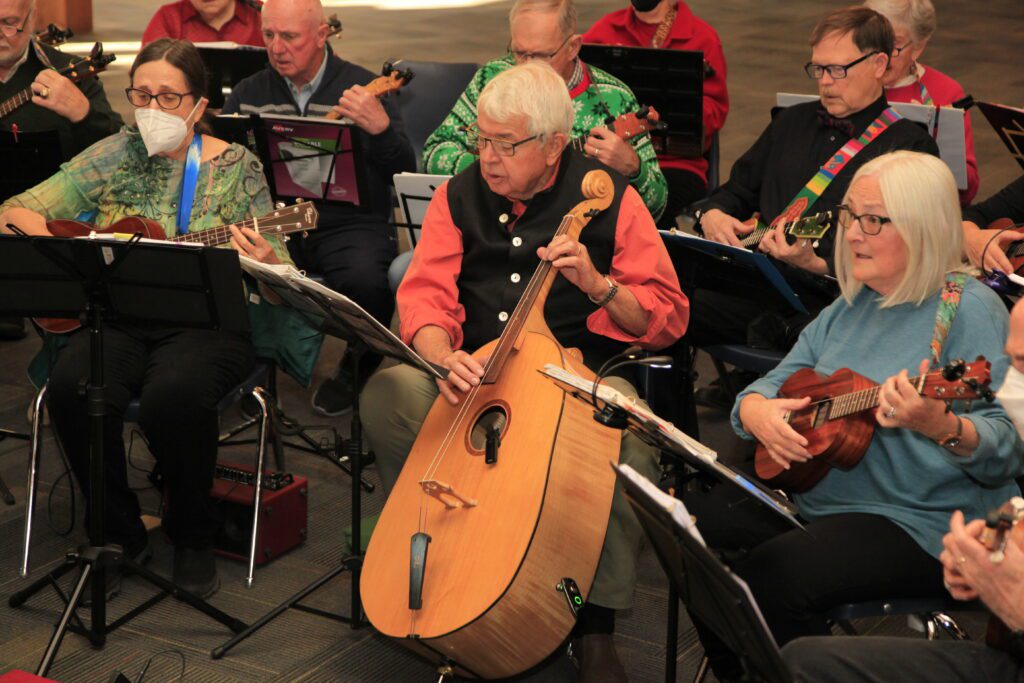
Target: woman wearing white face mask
[(875, 531), (157, 171)]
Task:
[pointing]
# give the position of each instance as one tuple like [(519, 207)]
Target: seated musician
[(513, 198), (545, 30), (354, 245), (907, 80), (778, 177), (207, 21), (1007, 203), (672, 25), (969, 573), (874, 531), (178, 374), (79, 112)]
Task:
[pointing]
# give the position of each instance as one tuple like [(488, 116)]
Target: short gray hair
[(917, 16), (533, 91), (921, 197), (565, 9)]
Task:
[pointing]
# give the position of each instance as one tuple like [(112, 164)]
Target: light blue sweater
[(905, 476)]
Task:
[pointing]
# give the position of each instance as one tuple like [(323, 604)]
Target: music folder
[(415, 190), (945, 124), (1008, 123)]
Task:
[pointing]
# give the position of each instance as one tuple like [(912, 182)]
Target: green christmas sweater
[(445, 151)]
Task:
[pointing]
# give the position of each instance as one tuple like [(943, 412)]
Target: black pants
[(684, 188), (797, 576), (179, 376)]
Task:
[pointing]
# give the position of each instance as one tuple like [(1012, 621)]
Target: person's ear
[(553, 146), (574, 45), (881, 64)]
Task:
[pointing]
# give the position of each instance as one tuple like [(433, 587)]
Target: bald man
[(353, 246)]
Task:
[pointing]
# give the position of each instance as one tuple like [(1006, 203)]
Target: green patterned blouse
[(446, 152), (117, 178)]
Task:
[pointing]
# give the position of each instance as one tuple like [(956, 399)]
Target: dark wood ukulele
[(78, 71), (390, 81), (301, 217), (1000, 528), (839, 422)]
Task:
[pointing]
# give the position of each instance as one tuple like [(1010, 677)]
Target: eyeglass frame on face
[(810, 67), (897, 51), (519, 55), (10, 30), (504, 148), (150, 97), (844, 210)]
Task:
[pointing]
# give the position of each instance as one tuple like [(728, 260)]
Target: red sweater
[(688, 33), (181, 20), (943, 91)]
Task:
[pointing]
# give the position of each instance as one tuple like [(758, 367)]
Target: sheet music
[(671, 504)]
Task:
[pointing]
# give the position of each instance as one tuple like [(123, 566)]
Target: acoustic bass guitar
[(839, 423)]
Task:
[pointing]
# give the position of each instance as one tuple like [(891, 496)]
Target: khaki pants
[(396, 401)]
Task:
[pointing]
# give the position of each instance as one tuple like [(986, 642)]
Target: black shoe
[(12, 329), (597, 659), (714, 397), (337, 395), (196, 571), (141, 552)]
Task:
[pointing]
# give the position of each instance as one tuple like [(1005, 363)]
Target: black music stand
[(228, 64), (101, 281), (710, 590), (338, 316), (671, 81)]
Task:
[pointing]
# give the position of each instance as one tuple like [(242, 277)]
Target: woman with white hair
[(875, 531), (907, 80)]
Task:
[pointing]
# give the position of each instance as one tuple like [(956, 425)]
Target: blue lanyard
[(188, 183)]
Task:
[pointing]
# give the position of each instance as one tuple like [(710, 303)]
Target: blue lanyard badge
[(188, 183)]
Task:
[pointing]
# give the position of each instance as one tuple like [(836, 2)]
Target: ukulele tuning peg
[(279, 205), (387, 68), (954, 370)]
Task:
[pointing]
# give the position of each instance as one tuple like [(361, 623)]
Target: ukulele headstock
[(999, 525), (54, 35), (333, 26), (811, 227), (960, 380), (643, 120)]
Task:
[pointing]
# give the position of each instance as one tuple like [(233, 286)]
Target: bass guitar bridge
[(446, 494)]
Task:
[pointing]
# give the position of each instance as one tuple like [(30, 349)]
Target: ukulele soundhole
[(492, 416), (821, 413)]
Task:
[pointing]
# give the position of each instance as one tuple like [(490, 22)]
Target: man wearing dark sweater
[(354, 245), (1007, 203), (78, 112)]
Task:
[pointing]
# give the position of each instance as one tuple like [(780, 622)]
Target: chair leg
[(33, 477), (702, 670), (265, 409)]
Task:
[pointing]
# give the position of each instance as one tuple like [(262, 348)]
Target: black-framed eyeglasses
[(521, 56), (10, 30), (164, 100), (836, 71), (870, 223), (897, 50), (505, 148)]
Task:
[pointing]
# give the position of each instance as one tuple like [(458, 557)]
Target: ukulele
[(1015, 250), (812, 227), (301, 217), (54, 35), (628, 126), (839, 424), (78, 71), (390, 81), (1000, 528)]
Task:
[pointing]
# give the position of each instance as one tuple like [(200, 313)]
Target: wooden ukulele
[(628, 126), (1000, 528), (284, 221), (839, 424), (390, 81), (1015, 250), (54, 35), (78, 71)]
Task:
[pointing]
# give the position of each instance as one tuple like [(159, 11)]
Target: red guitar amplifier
[(283, 512)]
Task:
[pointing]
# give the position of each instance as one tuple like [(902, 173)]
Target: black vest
[(497, 263)]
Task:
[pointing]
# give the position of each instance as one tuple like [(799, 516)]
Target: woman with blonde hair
[(875, 531)]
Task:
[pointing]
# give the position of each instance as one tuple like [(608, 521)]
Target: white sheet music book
[(633, 406), (946, 125), (415, 190), (671, 504)]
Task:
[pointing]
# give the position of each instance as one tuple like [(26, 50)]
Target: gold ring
[(45, 92), (961, 561), (891, 413), (579, 249)]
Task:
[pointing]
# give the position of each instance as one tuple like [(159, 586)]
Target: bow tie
[(844, 126)]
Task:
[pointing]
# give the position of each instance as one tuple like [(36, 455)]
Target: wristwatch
[(952, 440)]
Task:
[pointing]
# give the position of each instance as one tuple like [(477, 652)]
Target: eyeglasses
[(10, 30), (521, 56), (477, 142), (165, 100), (896, 51), (870, 223), (836, 71)]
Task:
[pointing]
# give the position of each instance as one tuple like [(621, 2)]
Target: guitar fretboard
[(222, 235), (865, 399)]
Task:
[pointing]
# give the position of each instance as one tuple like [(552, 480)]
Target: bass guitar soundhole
[(492, 416)]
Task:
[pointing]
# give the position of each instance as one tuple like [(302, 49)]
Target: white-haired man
[(545, 30), (80, 113), (485, 231), (354, 245)]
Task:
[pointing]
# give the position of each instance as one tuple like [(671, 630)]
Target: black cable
[(984, 270), (145, 668)]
